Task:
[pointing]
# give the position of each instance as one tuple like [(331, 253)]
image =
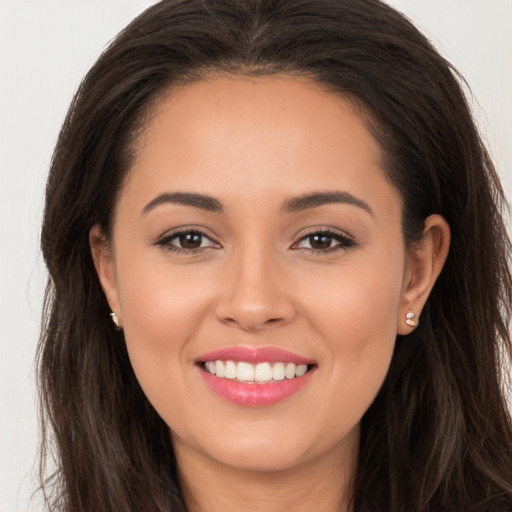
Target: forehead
[(266, 135), (239, 105)]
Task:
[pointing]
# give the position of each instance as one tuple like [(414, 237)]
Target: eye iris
[(320, 241), (190, 240)]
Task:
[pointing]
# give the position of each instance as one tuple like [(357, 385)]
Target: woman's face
[(257, 226)]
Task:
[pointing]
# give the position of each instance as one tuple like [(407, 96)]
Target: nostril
[(254, 312)]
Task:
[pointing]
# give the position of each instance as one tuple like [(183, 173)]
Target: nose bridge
[(255, 296)]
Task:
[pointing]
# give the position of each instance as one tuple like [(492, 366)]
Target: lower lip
[(254, 394)]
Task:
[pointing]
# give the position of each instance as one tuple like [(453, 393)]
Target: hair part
[(438, 437)]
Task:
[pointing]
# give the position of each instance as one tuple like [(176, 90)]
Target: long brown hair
[(438, 437)]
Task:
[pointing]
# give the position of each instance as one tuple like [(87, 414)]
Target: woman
[(279, 271)]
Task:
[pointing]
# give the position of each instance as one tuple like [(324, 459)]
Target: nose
[(255, 295)]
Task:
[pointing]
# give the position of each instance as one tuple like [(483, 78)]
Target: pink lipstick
[(255, 377), (254, 355)]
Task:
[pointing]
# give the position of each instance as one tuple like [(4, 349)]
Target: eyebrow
[(292, 205), (316, 199), (201, 201)]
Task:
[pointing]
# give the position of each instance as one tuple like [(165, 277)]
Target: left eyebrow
[(316, 199), (201, 201)]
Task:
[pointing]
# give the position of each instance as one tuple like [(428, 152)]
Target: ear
[(425, 260), (104, 263)]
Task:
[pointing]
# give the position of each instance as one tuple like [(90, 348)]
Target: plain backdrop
[(46, 46)]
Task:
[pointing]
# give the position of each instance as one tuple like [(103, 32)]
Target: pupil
[(190, 240), (320, 241)]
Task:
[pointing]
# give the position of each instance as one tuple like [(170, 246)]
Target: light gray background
[(46, 46)]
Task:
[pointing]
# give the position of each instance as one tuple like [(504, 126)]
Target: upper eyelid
[(324, 230), (167, 242), (345, 240), (183, 230)]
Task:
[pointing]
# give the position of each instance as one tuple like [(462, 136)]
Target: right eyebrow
[(316, 199), (187, 199)]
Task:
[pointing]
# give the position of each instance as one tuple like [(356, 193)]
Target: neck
[(323, 483)]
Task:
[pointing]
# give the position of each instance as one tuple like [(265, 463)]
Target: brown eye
[(324, 241), (320, 241), (187, 241), (190, 240)]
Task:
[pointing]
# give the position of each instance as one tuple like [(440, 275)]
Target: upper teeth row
[(261, 372)]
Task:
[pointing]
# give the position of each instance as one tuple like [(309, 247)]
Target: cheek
[(356, 315), (358, 303), (158, 299), (161, 310)]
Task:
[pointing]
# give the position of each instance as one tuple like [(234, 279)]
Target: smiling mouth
[(260, 373)]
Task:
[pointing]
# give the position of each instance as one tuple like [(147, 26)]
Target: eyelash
[(344, 241), (166, 240)]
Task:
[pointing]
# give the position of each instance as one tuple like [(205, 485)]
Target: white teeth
[(289, 371), (210, 366), (245, 372), (278, 371), (230, 370), (261, 372), (219, 369), (301, 370)]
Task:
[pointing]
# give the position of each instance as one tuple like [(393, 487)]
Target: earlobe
[(105, 269), (425, 262)]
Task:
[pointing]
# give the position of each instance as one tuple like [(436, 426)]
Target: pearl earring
[(410, 319), (115, 319)]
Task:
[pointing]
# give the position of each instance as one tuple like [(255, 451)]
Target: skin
[(257, 280)]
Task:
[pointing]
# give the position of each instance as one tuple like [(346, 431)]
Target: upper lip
[(254, 355)]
